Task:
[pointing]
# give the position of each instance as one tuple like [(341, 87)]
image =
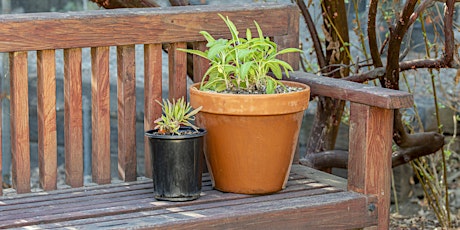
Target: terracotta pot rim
[(305, 87), (251, 104)]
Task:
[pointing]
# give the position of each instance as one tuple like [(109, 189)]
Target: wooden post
[(20, 146), (47, 137), (369, 162), (126, 90), (73, 120), (177, 63), (200, 65), (101, 114), (290, 40), (152, 92)]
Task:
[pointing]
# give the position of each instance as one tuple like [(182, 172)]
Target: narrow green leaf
[(207, 36), (196, 52), (248, 34), (270, 86), (244, 69), (259, 30), (288, 50), (275, 68), (215, 50)]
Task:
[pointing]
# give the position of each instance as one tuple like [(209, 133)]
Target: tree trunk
[(329, 112)]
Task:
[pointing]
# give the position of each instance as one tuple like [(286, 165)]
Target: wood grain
[(369, 161), (177, 64), (73, 117), (200, 65), (19, 108), (354, 92), (126, 93), (303, 204), (152, 93), (136, 26), (100, 86), (290, 40), (47, 131)]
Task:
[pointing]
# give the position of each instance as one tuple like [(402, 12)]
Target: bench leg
[(369, 163)]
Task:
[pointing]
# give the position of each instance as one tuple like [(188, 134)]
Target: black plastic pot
[(177, 165)]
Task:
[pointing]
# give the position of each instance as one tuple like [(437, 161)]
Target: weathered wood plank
[(290, 40), (301, 205), (57, 197), (126, 203), (369, 161), (19, 108), (73, 117), (66, 196), (320, 176), (158, 25), (126, 88), (200, 65), (8, 202), (177, 64), (101, 114), (80, 204), (325, 211), (46, 110), (152, 93), (354, 92)]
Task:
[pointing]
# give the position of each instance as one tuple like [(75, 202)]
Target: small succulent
[(242, 63), (176, 114)]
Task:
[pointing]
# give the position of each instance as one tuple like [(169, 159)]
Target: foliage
[(242, 63), (175, 115)]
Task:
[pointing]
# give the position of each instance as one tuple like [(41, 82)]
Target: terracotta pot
[(251, 139)]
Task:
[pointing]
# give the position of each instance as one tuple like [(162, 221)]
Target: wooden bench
[(312, 199)]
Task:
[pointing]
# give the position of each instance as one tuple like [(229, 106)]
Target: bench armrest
[(354, 92), (370, 136)]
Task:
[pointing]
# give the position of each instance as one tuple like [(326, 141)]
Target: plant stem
[(395, 194), (438, 122)]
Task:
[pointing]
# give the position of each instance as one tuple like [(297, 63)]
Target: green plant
[(175, 115), (242, 63)]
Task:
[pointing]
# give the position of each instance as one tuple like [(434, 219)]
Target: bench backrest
[(157, 29)]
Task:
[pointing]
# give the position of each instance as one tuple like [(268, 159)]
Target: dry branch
[(113, 4)]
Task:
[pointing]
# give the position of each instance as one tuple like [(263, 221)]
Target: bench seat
[(311, 198)]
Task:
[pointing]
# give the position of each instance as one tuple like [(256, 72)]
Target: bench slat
[(152, 93), (177, 64), (91, 189), (47, 131), (56, 206), (20, 122), (289, 40), (101, 206), (100, 86), (41, 31), (73, 117), (200, 65), (196, 211), (126, 88), (8, 203)]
